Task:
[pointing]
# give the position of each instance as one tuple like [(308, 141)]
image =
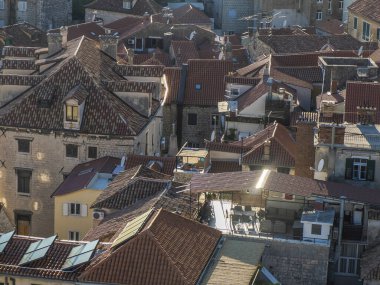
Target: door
[(23, 225)]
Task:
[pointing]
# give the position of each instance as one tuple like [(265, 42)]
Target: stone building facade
[(85, 106), (44, 14)]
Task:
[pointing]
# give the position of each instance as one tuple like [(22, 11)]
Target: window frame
[(314, 231), (22, 5), (366, 31), (70, 109), (191, 118), (74, 209), (24, 178), (71, 154), (378, 34), (215, 123), (2, 4), (91, 150), (359, 169), (125, 6), (355, 24), (20, 145), (74, 234), (319, 15), (198, 87)]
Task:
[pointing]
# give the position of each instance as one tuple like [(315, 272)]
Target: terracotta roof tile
[(90, 30), (364, 94), (186, 14), (168, 164), (242, 80), (78, 180), (168, 250), (141, 6), (368, 9), (130, 186), (183, 51), (209, 76), (48, 267), (173, 76), (331, 26), (157, 58), (254, 67), (23, 35)]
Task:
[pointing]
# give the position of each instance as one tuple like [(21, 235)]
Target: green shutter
[(370, 170), (349, 164)]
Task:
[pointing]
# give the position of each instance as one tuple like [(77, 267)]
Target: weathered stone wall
[(170, 117), (48, 162), (5, 223)]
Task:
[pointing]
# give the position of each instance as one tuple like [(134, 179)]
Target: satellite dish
[(321, 163), (360, 51), (213, 135)]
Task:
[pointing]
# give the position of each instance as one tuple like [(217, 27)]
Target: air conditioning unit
[(131, 41), (98, 215)]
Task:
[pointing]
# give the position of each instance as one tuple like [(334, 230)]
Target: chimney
[(305, 154), (130, 55), (64, 31), (146, 18), (331, 134), (108, 44), (168, 37), (173, 143), (54, 43), (266, 154)]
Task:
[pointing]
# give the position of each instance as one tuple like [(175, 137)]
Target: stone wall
[(169, 117)]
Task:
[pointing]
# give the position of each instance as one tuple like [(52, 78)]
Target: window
[(139, 44), (23, 145), (319, 1), (289, 197), (349, 261), (1, 4), (71, 150), (329, 7), (215, 120), (235, 91), (23, 181), (319, 15), (192, 119), (378, 34), (23, 223), (22, 6), (74, 209), (316, 229), (355, 23), (72, 113), (285, 170), (366, 31), (340, 4), (360, 169), (92, 152), (73, 235), (198, 86), (126, 4), (232, 13), (154, 43)]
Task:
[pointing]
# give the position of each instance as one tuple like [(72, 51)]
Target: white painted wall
[(307, 231)]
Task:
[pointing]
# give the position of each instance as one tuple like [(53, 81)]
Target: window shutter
[(83, 210), (370, 170), (349, 164), (65, 209)]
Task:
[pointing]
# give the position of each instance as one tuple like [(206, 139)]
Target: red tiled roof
[(282, 148), (129, 21), (209, 74), (331, 26), (23, 35), (288, 79), (186, 14), (130, 186), (287, 31), (253, 68), (375, 56), (363, 94), (224, 166), (310, 74), (336, 98), (240, 57), (168, 163), (173, 76), (156, 58), (169, 250), (83, 63), (141, 6), (111, 226), (368, 9), (242, 80), (280, 182), (90, 30), (49, 267), (78, 180), (183, 51)]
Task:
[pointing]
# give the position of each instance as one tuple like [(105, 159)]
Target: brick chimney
[(305, 154), (54, 43), (64, 31), (130, 55), (331, 134), (108, 44)]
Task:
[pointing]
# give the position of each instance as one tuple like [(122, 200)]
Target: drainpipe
[(340, 233)]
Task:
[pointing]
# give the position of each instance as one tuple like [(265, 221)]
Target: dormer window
[(72, 114), (127, 4)]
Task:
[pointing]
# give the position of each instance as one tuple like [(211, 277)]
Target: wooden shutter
[(65, 209), (349, 165), (370, 170), (83, 210)]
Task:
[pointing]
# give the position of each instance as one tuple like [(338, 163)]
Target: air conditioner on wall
[(98, 215)]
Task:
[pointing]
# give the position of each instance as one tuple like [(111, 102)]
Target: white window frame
[(319, 1), (319, 15), (127, 4), (341, 4), (360, 173), (2, 4), (366, 31), (329, 6), (22, 6), (355, 259)]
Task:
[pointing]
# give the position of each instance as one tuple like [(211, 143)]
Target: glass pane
[(69, 113), (75, 113)]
